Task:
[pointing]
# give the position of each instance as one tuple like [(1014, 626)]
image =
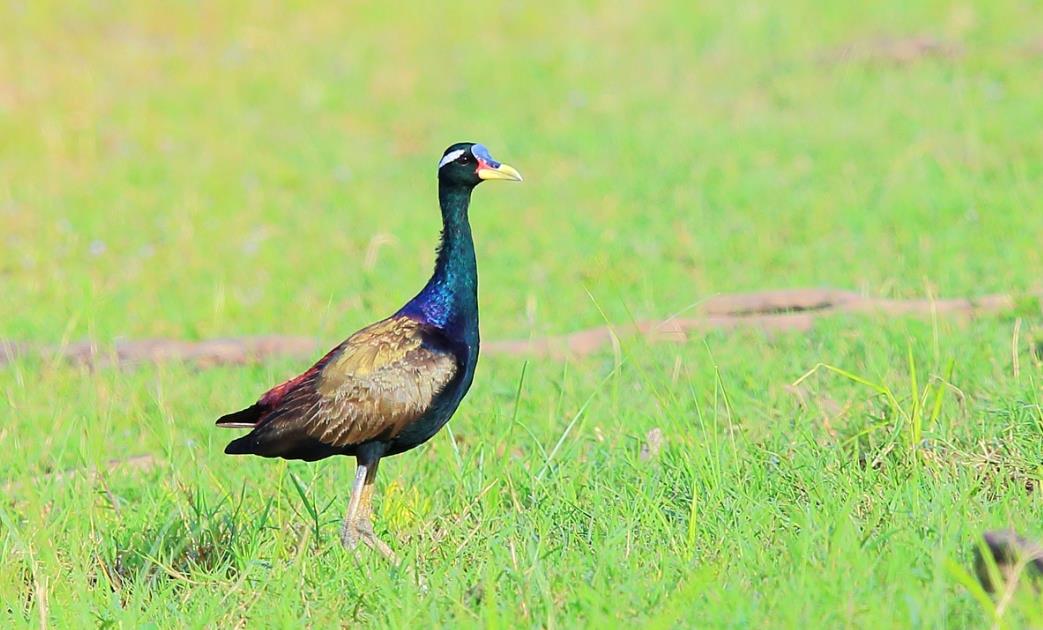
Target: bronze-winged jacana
[(392, 385)]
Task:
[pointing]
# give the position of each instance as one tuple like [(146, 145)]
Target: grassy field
[(194, 170)]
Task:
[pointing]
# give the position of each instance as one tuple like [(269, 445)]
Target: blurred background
[(193, 170), (200, 169)]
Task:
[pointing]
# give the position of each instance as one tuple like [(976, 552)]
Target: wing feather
[(372, 386)]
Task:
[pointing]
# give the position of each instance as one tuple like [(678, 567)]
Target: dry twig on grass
[(772, 311), (1013, 556)]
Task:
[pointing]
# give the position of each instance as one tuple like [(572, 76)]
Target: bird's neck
[(456, 266), (450, 298)]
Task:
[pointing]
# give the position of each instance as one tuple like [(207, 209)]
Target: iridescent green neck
[(450, 298), (456, 264)]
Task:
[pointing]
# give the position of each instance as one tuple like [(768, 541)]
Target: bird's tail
[(245, 445), (243, 419)]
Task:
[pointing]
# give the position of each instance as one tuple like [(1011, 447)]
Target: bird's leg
[(348, 535), (358, 524)]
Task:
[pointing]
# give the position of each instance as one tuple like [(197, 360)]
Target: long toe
[(350, 535), (361, 531), (367, 535)]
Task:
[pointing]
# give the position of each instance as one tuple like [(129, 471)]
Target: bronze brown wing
[(383, 378)]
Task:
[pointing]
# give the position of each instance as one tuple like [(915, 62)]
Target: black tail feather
[(245, 445), (244, 418)]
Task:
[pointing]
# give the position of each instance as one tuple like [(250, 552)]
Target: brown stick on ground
[(203, 353), (893, 50), (793, 309), (1012, 554)]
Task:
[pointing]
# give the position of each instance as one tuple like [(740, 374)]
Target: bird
[(392, 385)]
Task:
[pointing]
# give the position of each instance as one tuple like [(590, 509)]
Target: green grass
[(193, 170)]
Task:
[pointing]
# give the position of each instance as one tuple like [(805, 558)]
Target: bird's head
[(469, 164)]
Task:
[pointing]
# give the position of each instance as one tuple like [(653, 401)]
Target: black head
[(469, 164)]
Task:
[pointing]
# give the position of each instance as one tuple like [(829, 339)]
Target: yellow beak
[(502, 171)]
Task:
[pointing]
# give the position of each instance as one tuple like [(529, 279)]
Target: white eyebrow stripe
[(449, 157)]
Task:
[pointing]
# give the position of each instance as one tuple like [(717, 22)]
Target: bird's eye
[(466, 158)]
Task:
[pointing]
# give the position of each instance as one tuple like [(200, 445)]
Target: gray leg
[(356, 498), (358, 526)]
